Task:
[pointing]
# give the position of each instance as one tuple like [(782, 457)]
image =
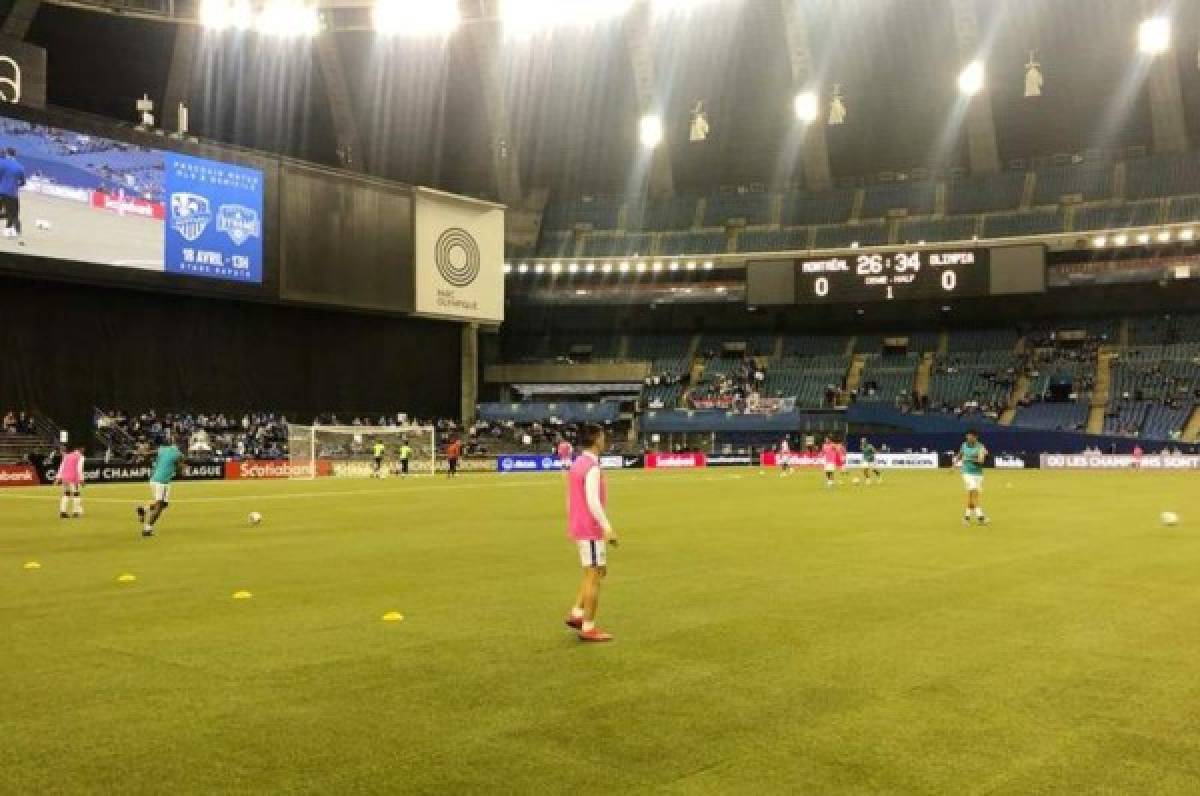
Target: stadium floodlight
[(606, 268), (217, 14), (530, 17), (556, 268), (539, 269), (657, 268), (1143, 238), (288, 19), (1187, 234), (854, 244), (721, 288), (572, 268), (650, 130), (1164, 236), (641, 268), (416, 18), (1154, 36), (623, 268), (971, 79), (508, 268), (1121, 240), (673, 266), (691, 266), (806, 106), (522, 268), (590, 268), (1099, 241), (708, 266)]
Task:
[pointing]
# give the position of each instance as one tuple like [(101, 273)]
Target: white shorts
[(973, 483), (592, 553), (161, 493), (830, 468)]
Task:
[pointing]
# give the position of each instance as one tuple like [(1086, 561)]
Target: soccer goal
[(349, 451)]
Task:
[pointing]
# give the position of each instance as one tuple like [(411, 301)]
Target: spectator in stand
[(10, 422)]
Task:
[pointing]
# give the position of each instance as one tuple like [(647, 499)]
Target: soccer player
[(589, 528), (1137, 457), (869, 468), (841, 459), (453, 451), (972, 456), (785, 457), (377, 451), (564, 452), (70, 475), (12, 179), (405, 455), (167, 465), (829, 455)]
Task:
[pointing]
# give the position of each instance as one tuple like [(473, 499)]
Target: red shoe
[(595, 634), (575, 622)]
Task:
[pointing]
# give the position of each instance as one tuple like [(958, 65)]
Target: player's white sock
[(62, 505), (588, 626), (577, 613), (979, 512), (78, 505)]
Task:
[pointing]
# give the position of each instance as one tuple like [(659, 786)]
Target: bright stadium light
[(806, 106), (1154, 36), (508, 268), (674, 266), (556, 268), (650, 130), (1187, 234), (539, 268), (416, 18), (288, 19), (708, 266), (641, 268), (573, 268), (623, 268), (1121, 240), (657, 268), (970, 79), (1143, 237), (1099, 241), (691, 266), (1164, 236), (530, 17), (590, 268), (606, 268), (522, 268)]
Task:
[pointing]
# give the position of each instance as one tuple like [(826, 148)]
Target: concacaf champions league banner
[(459, 257)]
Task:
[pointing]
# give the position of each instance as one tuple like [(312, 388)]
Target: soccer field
[(772, 636)]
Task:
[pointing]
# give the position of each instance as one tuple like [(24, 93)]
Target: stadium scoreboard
[(902, 274), (893, 275)]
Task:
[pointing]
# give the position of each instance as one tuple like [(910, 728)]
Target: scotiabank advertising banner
[(272, 468), (1105, 461), (675, 461), (18, 475), (774, 459)]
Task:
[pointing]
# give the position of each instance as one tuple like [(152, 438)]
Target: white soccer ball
[(1170, 518), (255, 518)]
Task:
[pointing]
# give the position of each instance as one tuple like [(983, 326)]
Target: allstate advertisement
[(214, 219)]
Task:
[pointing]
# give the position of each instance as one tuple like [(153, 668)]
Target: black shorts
[(453, 465)]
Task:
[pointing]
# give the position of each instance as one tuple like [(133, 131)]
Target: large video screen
[(92, 199)]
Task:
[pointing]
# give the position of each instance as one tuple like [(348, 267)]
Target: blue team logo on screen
[(239, 222), (215, 228), (190, 215)]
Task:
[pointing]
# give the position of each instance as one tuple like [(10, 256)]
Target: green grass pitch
[(772, 636)]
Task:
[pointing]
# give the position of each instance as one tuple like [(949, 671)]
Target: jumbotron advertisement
[(71, 196)]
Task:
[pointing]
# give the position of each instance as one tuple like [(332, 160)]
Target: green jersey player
[(971, 457), (868, 458)]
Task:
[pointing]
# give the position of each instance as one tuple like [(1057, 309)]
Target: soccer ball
[(255, 518), (1170, 518)]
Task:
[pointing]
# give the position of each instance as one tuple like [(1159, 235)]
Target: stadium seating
[(914, 197), (1163, 175), (982, 340), (1069, 416), (1033, 222), (692, 243), (888, 379), (801, 209), (1184, 208), (601, 213), (870, 233), (661, 214), (764, 240), (985, 194), (596, 245), (556, 244), (754, 208), (1092, 181), (937, 229), (1133, 214)]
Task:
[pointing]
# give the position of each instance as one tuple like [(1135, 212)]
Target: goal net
[(349, 451)]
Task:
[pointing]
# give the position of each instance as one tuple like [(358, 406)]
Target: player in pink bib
[(829, 455), (70, 475), (564, 451), (590, 530)]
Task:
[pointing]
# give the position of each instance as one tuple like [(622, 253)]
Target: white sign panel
[(896, 461), (1104, 461), (459, 262)]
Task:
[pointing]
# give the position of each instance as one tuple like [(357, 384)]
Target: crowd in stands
[(16, 422), (248, 435)]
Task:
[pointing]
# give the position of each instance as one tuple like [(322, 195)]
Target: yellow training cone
[(393, 616), (242, 595), (126, 578), (32, 565)]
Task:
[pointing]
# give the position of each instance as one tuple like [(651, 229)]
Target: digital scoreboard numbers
[(893, 276)]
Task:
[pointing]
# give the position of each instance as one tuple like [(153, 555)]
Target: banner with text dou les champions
[(214, 219), (459, 257)]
